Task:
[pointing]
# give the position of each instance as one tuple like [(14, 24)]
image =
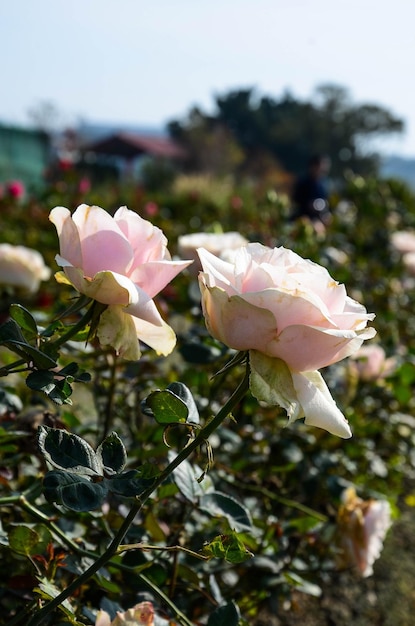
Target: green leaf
[(183, 393), (24, 540), (57, 389), (186, 478), (112, 454), (12, 337), (166, 407), (130, 484), (65, 451), (29, 540), (10, 331), (219, 504), (303, 585), (74, 491), (228, 547), (225, 615), (40, 360), (24, 319)]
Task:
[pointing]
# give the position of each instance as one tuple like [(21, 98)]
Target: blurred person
[(310, 196)]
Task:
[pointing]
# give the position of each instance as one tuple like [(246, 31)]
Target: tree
[(288, 131)]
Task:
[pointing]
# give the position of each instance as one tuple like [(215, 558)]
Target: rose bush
[(293, 318), (22, 268), (122, 262)]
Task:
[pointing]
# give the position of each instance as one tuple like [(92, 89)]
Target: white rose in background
[(362, 528), (122, 262), (222, 245), (22, 268), (293, 318), (403, 241)]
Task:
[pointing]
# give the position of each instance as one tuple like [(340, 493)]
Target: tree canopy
[(247, 132)]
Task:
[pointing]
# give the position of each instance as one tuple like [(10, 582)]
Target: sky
[(147, 62)]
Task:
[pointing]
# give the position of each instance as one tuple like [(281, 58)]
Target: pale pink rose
[(141, 614), (370, 363), (22, 268), (123, 262), (293, 318), (403, 241), (362, 526), (221, 244)]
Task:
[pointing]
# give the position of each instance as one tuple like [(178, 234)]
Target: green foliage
[(246, 526)]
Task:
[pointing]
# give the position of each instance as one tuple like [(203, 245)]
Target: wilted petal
[(117, 329), (271, 382), (318, 405), (301, 395)]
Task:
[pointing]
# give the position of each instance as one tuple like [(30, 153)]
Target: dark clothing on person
[(309, 193), (310, 198)]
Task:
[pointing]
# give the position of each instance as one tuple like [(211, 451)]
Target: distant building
[(24, 155), (127, 151)]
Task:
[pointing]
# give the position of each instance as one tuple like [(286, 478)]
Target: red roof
[(129, 145)]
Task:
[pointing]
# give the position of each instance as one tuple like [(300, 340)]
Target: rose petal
[(104, 246), (144, 308), (69, 242), (301, 395), (105, 287), (154, 276), (147, 241), (306, 348), (161, 338), (235, 322), (318, 405)]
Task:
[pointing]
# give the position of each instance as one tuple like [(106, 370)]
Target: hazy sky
[(145, 62)]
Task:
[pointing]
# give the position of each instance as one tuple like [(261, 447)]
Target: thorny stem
[(112, 549), (110, 398)]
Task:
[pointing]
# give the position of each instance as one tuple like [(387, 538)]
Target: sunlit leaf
[(166, 407), (24, 318)]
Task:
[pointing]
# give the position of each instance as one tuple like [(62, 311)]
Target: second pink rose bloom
[(293, 318), (123, 262)]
